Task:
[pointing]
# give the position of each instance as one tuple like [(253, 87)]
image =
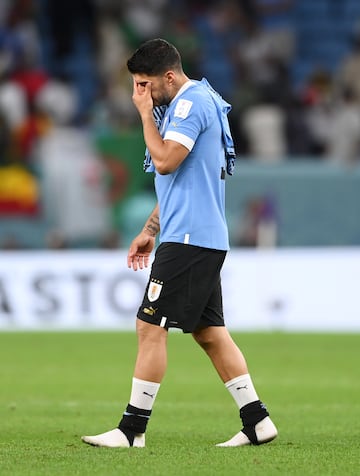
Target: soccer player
[(189, 149)]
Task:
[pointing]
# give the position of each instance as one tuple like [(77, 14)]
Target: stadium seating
[(323, 30)]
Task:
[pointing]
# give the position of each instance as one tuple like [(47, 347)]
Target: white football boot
[(114, 439), (265, 431)]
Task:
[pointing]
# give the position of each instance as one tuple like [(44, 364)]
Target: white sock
[(143, 393), (242, 390)]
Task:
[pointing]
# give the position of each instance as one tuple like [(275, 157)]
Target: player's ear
[(170, 77)]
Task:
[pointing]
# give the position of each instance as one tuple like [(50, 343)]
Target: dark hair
[(155, 57)]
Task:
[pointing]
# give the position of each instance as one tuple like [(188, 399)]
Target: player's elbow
[(164, 169)]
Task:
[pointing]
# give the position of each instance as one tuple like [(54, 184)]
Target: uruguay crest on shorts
[(154, 290)]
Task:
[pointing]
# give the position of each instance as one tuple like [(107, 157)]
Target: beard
[(163, 100)]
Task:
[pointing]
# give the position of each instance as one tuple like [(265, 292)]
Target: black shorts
[(184, 288)]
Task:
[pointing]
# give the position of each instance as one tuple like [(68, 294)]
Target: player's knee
[(212, 339), (149, 332), (204, 338)]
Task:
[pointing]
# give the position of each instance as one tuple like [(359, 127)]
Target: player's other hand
[(140, 250)]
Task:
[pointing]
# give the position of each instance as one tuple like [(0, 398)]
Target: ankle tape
[(250, 415), (133, 422)]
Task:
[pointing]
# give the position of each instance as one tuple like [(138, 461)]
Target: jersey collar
[(183, 88)]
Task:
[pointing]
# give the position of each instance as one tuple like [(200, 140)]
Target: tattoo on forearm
[(153, 225)]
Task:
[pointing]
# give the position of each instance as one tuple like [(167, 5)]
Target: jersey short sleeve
[(187, 119)]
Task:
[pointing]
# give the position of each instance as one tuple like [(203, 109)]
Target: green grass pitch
[(54, 387)]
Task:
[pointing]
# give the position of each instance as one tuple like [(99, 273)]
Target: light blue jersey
[(192, 198)]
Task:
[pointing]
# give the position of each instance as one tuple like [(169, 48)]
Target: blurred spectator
[(297, 128), (276, 20), (114, 107), (262, 67), (13, 103), (264, 126), (258, 226), (58, 100), (35, 124), (344, 138), (267, 47), (73, 178), (317, 97), (348, 73), (30, 79), (262, 61), (21, 22)]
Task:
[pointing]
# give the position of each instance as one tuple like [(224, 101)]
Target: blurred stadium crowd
[(290, 68)]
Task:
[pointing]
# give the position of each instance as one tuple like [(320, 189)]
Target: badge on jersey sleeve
[(182, 108), (154, 290)]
